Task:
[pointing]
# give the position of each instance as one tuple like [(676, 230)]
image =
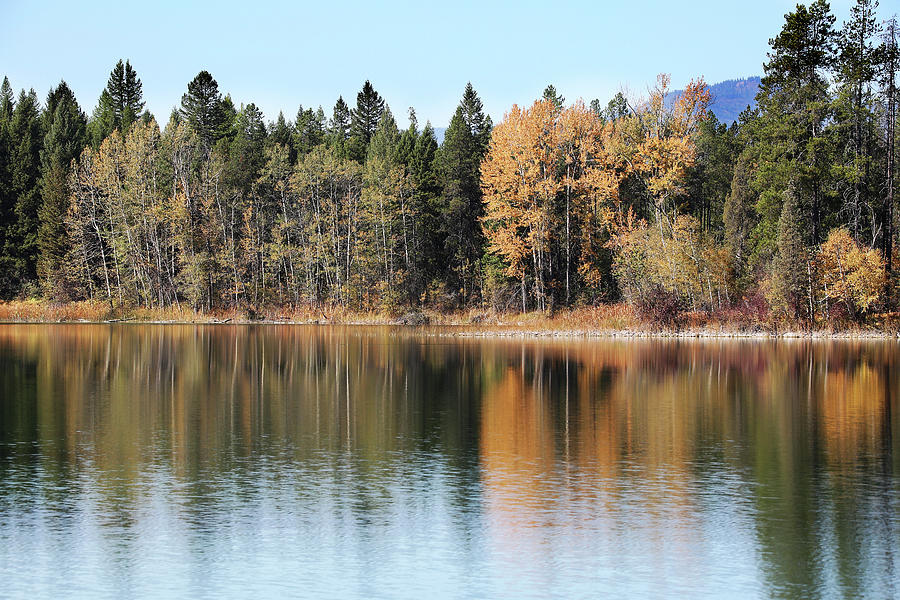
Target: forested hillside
[(786, 214), (728, 99)]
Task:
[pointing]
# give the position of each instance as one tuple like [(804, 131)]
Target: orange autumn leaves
[(658, 141), (546, 164), (552, 174)]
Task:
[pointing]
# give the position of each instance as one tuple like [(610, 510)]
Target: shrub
[(660, 307), (678, 259), (850, 276)]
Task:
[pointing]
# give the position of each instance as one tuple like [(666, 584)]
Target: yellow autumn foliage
[(849, 274), (657, 141), (550, 177), (680, 259)]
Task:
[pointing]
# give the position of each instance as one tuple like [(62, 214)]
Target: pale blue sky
[(421, 54)]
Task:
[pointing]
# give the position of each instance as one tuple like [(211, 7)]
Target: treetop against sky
[(281, 54)]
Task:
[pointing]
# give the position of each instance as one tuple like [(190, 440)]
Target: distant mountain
[(729, 98), (439, 134)]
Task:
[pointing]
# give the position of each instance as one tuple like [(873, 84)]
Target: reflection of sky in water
[(242, 461)]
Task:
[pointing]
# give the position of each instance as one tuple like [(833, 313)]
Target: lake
[(357, 462)]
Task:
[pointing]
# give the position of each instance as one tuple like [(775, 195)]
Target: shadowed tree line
[(220, 209)]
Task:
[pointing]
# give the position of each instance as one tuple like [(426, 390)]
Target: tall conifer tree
[(20, 244), (364, 119), (339, 128), (204, 109), (465, 144), (856, 64), (121, 103), (7, 105), (887, 76), (65, 136), (785, 136), (790, 265)]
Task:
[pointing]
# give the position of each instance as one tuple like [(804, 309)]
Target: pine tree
[(786, 135), (551, 95), (309, 130), (120, 105), (364, 119), (66, 134), (791, 267), (616, 108), (205, 110), (7, 106), (887, 76), (738, 214), (459, 159), (281, 134), (856, 66), (19, 254)]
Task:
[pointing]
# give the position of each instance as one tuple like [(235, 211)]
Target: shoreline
[(612, 321), (468, 331)]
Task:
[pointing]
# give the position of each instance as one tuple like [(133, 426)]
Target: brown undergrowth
[(614, 319)]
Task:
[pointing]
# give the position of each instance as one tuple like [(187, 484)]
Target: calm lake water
[(270, 461)]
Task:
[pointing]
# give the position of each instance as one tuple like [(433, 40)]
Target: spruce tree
[(423, 167), (787, 131), (551, 95), (423, 161), (386, 139), (19, 255), (710, 178), (7, 105), (476, 120), (65, 137), (340, 119), (246, 151), (281, 134), (339, 128), (364, 119), (408, 140), (205, 110), (230, 126), (459, 160), (790, 268), (120, 105), (309, 130), (7, 100), (738, 214), (856, 66)]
